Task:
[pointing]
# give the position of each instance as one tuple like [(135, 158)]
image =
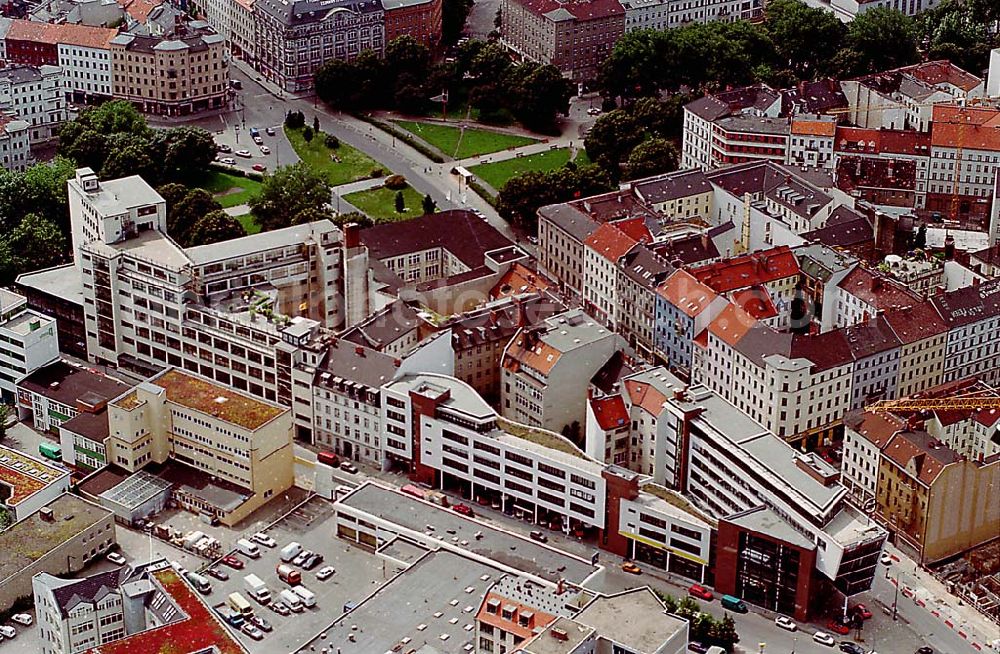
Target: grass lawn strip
[(497, 173), (474, 142), (229, 190), (249, 223), (380, 204), (352, 165)]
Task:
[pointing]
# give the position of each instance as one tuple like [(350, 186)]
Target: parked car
[(464, 509), (265, 150), (233, 562), (785, 623), (218, 573), (251, 630), (347, 466), (280, 608), (264, 539), (851, 648), (885, 559), (697, 647), (702, 593), (312, 561), (258, 140), (115, 558), (593, 111), (228, 161), (8, 631), (269, 131), (862, 612), (259, 167), (301, 557), (22, 618), (924, 650), (243, 153), (631, 568), (838, 626), (261, 623), (222, 147), (539, 536), (824, 638), (325, 573)]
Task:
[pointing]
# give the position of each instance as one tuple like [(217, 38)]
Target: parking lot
[(358, 573)]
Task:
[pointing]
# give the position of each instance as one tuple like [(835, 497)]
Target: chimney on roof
[(360, 351), (949, 247), (704, 240), (876, 283), (352, 235), (520, 318)]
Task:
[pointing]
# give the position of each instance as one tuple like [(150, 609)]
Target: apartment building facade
[(294, 38), (54, 393), (75, 615), (15, 143), (183, 71), (28, 341), (562, 230), (36, 95), (419, 19), (234, 21), (667, 14), (602, 251), (574, 37), (972, 315)]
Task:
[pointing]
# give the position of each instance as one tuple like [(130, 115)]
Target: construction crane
[(970, 402)]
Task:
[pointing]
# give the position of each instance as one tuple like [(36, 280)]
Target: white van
[(291, 600), (306, 595), (290, 551), (248, 548)]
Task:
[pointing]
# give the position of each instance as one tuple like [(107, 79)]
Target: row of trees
[(704, 627), (114, 140), (194, 217), (407, 80), (521, 196), (794, 42)]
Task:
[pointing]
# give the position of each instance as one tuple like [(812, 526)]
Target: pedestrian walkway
[(360, 185), (238, 210)]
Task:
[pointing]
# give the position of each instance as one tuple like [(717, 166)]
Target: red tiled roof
[(201, 630), (814, 127), (63, 33), (879, 141), (755, 301), (748, 270), (976, 128), (646, 396), (610, 412), (635, 228), (610, 242), (581, 10), (912, 451), (519, 279), (731, 324), (915, 323), (876, 427), (877, 291), (540, 619), (139, 9), (943, 71), (686, 293)]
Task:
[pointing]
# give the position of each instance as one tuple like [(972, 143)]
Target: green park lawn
[(379, 204), (229, 190), (497, 173), (352, 165), (249, 223), (474, 142)]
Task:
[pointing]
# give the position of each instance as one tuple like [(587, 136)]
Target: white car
[(116, 558), (824, 638), (264, 539), (325, 573), (229, 161), (265, 150), (7, 631), (885, 559), (347, 466), (593, 111), (243, 153), (301, 558), (22, 618), (785, 623)]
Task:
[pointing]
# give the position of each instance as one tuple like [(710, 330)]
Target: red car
[(233, 562), (463, 509), (259, 167), (838, 627), (862, 610), (702, 593)]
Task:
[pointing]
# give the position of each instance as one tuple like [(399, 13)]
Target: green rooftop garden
[(542, 437)]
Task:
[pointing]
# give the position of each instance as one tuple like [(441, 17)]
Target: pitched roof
[(68, 384), (813, 127), (634, 228), (882, 141), (517, 280), (918, 452), (969, 304), (686, 293), (731, 324), (693, 249), (610, 242), (943, 71), (877, 427), (748, 270), (671, 186), (756, 301), (63, 33), (90, 589), (610, 412), (849, 228), (877, 291), (467, 236), (975, 128), (581, 10), (645, 395), (915, 323), (570, 218), (870, 337)]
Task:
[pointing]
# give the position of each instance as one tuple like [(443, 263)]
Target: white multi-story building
[(863, 293), (847, 10), (35, 94), (865, 435), (965, 157), (973, 318), (75, 615), (31, 483), (546, 369), (601, 252), (28, 341), (233, 20), (86, 65), (665, 14), (15, 143)]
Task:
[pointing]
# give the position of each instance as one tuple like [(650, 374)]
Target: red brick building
[(420, 19)]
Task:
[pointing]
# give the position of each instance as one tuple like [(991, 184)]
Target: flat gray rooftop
[(64, 282), (546, 643), (505, 548), (434, 602), (635, 619)]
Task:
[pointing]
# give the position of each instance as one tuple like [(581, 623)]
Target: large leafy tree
[(288, 191), (806, 38), (214, 227), (611, 139), (337, 84), (652, 157), (880, 39), (40, 189), (453, 15), (522, 195), (540, 94), (34, 244), (184, 152), (182, 218)]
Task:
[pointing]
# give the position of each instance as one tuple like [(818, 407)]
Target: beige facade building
[(232, 436), (923, 337), (178, 73), (920, 483)]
